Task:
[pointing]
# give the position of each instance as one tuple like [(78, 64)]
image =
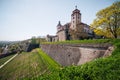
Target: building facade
[(63, 31)]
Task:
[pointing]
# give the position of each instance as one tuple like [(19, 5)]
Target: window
[(84, 30)]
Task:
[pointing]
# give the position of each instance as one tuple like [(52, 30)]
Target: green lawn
[(28, 66), (3, 60)]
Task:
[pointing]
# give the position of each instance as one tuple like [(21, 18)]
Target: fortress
[(63, 31)]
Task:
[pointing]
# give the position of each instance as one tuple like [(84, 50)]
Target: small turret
[(59, 24)]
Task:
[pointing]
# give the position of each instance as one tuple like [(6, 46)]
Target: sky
[(23, 19)]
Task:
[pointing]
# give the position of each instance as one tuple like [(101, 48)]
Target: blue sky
[(22, 19)]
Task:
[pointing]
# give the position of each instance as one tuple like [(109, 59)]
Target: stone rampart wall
[(75, 54)]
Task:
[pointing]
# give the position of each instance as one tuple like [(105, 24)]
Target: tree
[(33, 40), (78, 33), (107, 22)]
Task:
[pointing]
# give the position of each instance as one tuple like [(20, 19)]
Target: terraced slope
[(28, 66)]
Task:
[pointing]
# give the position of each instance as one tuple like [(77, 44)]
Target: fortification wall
[(76, 54)]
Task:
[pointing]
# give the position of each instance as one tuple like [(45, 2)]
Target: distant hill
[(3, 43), (15, 46)]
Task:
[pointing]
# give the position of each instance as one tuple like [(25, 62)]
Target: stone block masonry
[(76, 54), (65, 55)]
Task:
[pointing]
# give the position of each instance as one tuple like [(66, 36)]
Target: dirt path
[(8, 61)]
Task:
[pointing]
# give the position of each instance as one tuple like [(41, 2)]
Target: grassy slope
[(48, 60), (32, 65), (3, 60), (99, 69), (28, 66), (82, 41)]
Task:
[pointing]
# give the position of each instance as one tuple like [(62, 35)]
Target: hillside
[(39, 66), (3, 60), (100, 69), (28, 66)]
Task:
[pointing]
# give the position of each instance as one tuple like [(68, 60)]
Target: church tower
[(75, 18)]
